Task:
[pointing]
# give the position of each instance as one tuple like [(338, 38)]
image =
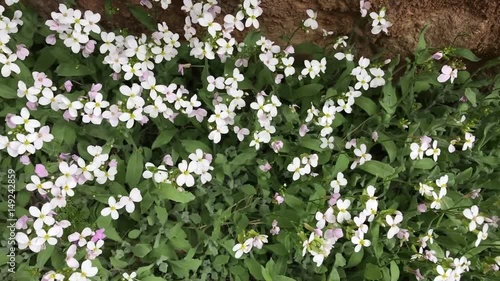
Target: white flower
[(482, 235), (88, 270), (337, 183), (363, 82), (393, 223), (24, 119), (288, 64), (128, 201), (443, 275), (44, 236), (378, 79), (112, 209), (371, 203), (9, 65), (243, 248), (469, 141), (295, 168), (185, 176), (327, 142), (343, 214), (436, 203), (362, 154), (129, 277), (447, 73), (359, 241), (328, 216), (311, 21), (417, 151), (43, 216), (36, 184), (207, 20), (425, 189), (434, 151), (259, 241), (473, 215), (378, 18)]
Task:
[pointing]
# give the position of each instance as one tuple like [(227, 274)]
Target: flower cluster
[(300, 167), (10, 26), (247, 241), (199, 164)]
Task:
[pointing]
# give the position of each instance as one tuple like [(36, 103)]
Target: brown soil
[(471, 24)]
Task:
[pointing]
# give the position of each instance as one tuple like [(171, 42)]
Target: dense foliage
[(152, 158)]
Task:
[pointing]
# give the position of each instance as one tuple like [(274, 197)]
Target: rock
[(464, 23)]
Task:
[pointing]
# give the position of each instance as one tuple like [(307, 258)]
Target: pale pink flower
[(22, 52), (68, 86), (51, 39), (278, 198)]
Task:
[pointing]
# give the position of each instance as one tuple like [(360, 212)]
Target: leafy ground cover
[(157, 157)]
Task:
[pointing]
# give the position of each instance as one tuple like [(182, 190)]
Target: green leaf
[(171, 193), (424, 164), (152, 278), (389, 100), (463, 176), (389, 146), (164, 138), (471, 96), (7, 92), (70, 69), (465, 53), (367, 105), (377, 168), (181, 268), (134, 168), (44, 255), (192, 145), (334, 275), (339, 260), (142, 15), (394, 271), (341, 164), (141, 250), (422, 45), (116, 263), (105, 222), (355, 258), (244, 158), (307, 91), (255, 268), (311, 143), (134, 233), (64, 132), (372, 272)]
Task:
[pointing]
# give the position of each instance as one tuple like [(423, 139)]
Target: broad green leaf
[(152, 278), (135, 168), (377, 168), (134, 233), (394, 271), (389, 146), (141, 250), (367, 105), (424, 164), (105, 222), (116, 263), (164, 138), (341, 164), (355, 258), (244, 158), (465, 53), (76, 70), (422, 45), (471, 96), (167, 191), (255, 268), (307, 91), (192, 145), (7, 92), (334, 275), (181, 268), (339, 260), (44, 256), (389, 99), (372, 272), (142, 16)]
